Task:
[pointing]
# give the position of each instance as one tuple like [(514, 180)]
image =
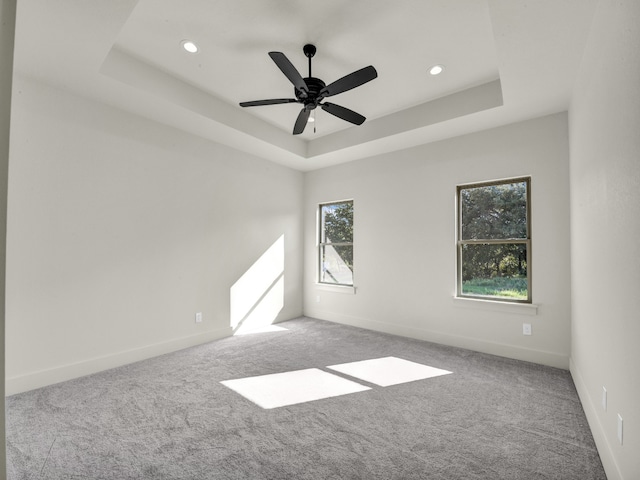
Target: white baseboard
[(42, 378), (542, 357), (599, 436)]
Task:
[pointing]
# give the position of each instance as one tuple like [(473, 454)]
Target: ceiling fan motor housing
[(315, 85)]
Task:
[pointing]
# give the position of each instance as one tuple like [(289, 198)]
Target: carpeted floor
[(171, 418)]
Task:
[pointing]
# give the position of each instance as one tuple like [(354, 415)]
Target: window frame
[(321, 245), (503, 241)]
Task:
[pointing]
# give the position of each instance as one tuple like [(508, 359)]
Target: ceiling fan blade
[(350, 81), (273, 101), (343, 113), (301, 122), (289, 70)]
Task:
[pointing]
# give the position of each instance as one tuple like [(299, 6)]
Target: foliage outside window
[(494, 240), (336, 243)]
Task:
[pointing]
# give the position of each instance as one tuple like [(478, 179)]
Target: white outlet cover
[(526, 329), (604, 399), (199, 317)]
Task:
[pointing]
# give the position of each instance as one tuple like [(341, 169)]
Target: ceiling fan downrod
[(309, 51)]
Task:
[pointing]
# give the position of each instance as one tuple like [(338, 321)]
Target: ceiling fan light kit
[(311, 91)]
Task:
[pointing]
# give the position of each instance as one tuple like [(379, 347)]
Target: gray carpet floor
[(170, 418)]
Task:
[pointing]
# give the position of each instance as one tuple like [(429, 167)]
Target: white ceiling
[(506, 61)]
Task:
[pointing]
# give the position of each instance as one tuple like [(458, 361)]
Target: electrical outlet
[(620, 429), (604, 399), (526, 329), (317, 298), (199, 317)]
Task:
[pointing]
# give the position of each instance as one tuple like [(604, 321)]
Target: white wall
[(605, 228), (121, 229), (7, 33), (404, 238)]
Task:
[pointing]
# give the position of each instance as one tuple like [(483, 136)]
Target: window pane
[(336, 264), (495, 270), (494, 212), (337, 223)]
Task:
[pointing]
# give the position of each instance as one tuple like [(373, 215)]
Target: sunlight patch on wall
[(257, 297)]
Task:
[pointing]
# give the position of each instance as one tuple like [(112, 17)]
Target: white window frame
[(321, 245)]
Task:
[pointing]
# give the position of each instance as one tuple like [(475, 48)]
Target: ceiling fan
[(311, 91)]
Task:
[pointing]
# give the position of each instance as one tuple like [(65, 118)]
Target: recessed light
[(436, 69), (189, 46)]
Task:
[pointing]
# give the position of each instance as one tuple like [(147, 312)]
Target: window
[(335, 252), (494, 240)]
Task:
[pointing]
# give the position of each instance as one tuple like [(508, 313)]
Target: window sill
[(336, 288), (506, 307)]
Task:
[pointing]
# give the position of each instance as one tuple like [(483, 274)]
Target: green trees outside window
[(494, 240), (335, 260)]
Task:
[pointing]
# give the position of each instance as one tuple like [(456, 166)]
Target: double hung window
[(494, 240), (335, 245)]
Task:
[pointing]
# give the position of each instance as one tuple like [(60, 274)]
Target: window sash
[(460, 293), (336, 270)]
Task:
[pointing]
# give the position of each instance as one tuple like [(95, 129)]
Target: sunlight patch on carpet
[(388, 371), (290, 388)]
